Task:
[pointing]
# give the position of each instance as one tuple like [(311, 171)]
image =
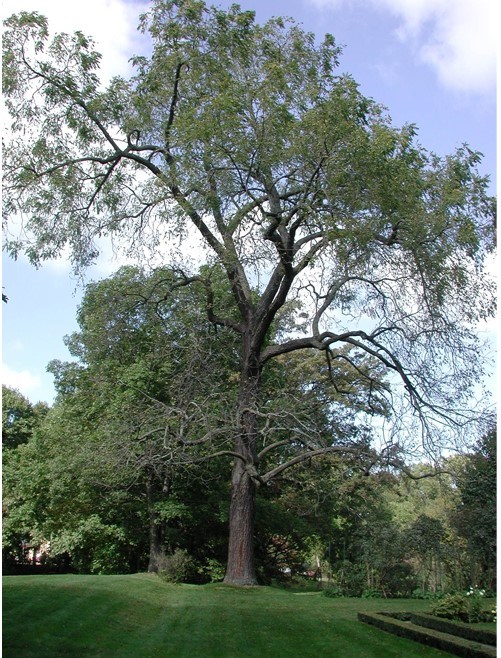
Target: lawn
[(140, 616)]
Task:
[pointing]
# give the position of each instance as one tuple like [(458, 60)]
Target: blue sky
[(430, 62)]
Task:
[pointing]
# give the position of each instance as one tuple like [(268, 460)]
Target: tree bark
[(240, 568), (155, 549), (154, 531)]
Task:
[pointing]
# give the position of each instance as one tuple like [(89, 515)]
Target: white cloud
[(24, 381), (457, 38)]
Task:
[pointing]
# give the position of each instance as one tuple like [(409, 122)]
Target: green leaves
[(300, 188), (58, 111), (19, 418), (475, 519)]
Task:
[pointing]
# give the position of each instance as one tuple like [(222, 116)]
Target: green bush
[(425, 594), (475, 613), (108, 559), (175, 568), (451, 606), (372, 594), (213, 570), (350, 577), (333, 592), (399, 581), (463, 607)]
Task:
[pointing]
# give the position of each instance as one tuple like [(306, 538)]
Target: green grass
[(140, 616)]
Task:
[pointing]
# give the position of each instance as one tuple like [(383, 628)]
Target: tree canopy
[(475, 518), (302, 192), (19, 417)]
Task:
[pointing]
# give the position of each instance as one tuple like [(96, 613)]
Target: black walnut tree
[(300, 188)]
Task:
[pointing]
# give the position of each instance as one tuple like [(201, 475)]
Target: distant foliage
[(372, 594), (425, 594), (175, 568), (333, 592), (20, 418), (467, 607), (213, 570)]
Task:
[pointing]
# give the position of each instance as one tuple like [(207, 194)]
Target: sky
[(430, 62)]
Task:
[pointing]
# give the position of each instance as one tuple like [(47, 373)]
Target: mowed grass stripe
[(139, 616)]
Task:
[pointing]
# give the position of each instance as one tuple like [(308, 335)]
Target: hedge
[(432, 638), (457, 628)]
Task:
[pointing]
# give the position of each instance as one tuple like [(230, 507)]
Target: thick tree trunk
[(240, 568)]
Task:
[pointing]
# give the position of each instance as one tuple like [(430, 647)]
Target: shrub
[(333, 592), (475, 597), (175, 568), (372, 594), (350, 577), (451, 606), (213, 570), (463, 607), (398, 581), (299, 582), (425, 594)]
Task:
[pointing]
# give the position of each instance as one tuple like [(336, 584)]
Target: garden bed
[(467, 631), (455, 638)]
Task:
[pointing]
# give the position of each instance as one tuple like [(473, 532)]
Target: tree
[(20, 421), (19, 417), (124, 406), (475, 516), (300, 190), (425, 538), (144, 415)]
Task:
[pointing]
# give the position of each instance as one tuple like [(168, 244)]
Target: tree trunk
[(154, 530), (240, 568), (155, 548)]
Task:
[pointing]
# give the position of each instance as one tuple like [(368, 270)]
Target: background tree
[(145, 400), (133, 392), (425, 537), (428, 512), (19, 417), (368, 535), (20, 421), (293, 181), (475, 516)]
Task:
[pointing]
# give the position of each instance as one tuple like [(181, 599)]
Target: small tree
[(299, 188)]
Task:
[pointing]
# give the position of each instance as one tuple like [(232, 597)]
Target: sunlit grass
[(139, 616)]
